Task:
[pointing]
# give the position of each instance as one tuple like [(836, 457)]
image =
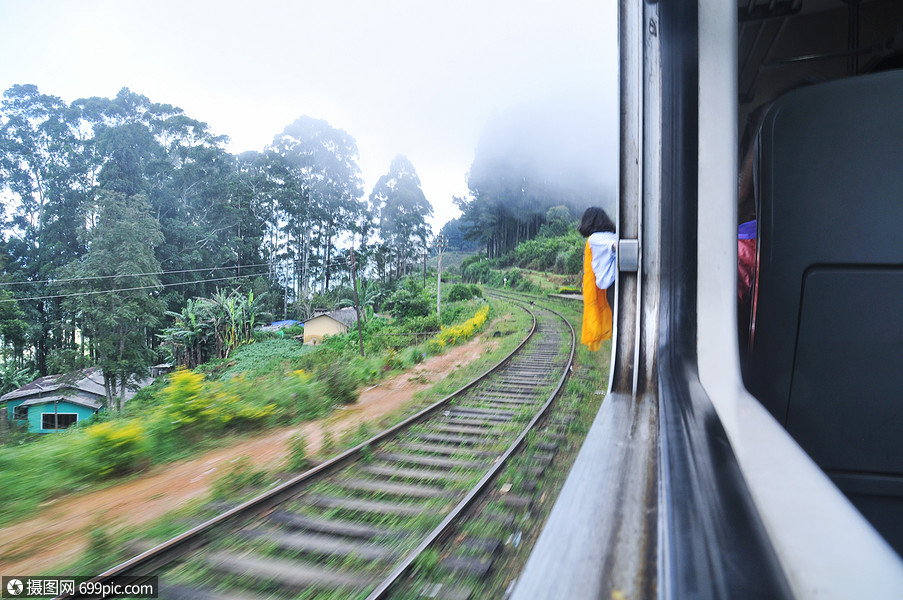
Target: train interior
[(820, 115)]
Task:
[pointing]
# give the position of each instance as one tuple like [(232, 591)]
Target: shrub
[(412, 356), (241, 475), (409, 300), (338, 382), (116, 447), (190, 401), (460, 292), (421, 324), (562, 254), (297, 457), (459, 333)]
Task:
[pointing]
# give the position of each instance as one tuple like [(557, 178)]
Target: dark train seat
[(827, 355)]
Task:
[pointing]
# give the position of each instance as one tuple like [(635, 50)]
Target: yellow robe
[(596, 311)]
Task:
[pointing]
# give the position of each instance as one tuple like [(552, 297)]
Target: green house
[(56, 402), (46, 415)]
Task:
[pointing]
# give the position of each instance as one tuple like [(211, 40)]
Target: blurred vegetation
[(267, 383)]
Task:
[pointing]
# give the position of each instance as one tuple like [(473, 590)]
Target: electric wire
[(97, 277), (131, 289)]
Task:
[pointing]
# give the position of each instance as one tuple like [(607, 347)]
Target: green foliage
[(297, 456), (426, 563), (120, 256), (100, 550), (13, 327), (269, 357), (338, 381), (211, 328), (556, 254), (116, 447), (192, 403), (241, 475), (412, 356), (328, 447), (362, 434), (454, 233), (13, 377), (292, 331), (67, 360), (515, 179), (367, 455), (426, 324), (461, 291), (409, 300), (402, 210), (34, 472), (559, 254)]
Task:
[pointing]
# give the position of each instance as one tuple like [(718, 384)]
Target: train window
[(824, 336)]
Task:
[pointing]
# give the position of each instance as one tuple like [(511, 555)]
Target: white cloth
[(603, 246)]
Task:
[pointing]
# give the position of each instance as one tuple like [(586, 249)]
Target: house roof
[(345, 316), (80, 400), (85, 385), (89, 381)]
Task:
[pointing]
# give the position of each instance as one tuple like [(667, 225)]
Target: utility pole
[(441, 243), (357, 302)]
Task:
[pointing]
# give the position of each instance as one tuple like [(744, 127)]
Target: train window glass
[(820, 167)]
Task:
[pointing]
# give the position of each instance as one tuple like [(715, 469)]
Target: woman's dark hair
[(595, 220)]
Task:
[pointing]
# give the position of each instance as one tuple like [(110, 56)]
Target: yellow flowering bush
[(204, 404), (449, 336), (184, 402), (116, 447)]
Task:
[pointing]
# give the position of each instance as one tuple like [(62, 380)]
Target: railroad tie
[(289, 574)]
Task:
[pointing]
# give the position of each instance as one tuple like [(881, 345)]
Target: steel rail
[(195, 538), (445, 527)]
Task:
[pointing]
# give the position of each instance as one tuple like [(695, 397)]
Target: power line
[(339, 260), (97, 277), (131, 289), (304, 270)]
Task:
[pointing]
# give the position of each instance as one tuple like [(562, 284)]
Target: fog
[(423, 79)]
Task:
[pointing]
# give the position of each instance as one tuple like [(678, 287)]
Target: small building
[(161, 369), (56, 402), (330, 323)]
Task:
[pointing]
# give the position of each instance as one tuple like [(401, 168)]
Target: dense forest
[(526, 162), (126, 221)]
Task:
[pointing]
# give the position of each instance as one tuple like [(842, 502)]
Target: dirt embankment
[(60, 532)]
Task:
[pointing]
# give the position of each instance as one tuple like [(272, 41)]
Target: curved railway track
[(355, 525)]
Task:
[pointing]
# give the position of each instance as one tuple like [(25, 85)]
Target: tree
[(13, 327), (46, 170), (207, 328), (457, 241), (403, 210), (322, 188), (526, 162), (113, 292)]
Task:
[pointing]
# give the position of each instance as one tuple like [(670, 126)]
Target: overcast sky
[(413, 77)]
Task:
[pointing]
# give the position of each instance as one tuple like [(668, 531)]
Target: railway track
[(356, 525)]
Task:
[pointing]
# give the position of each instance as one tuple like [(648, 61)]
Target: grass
[(265, 358)]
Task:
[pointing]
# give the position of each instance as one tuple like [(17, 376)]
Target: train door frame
[(735, 507)]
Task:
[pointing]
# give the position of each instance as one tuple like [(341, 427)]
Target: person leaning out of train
[(599, 269)]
